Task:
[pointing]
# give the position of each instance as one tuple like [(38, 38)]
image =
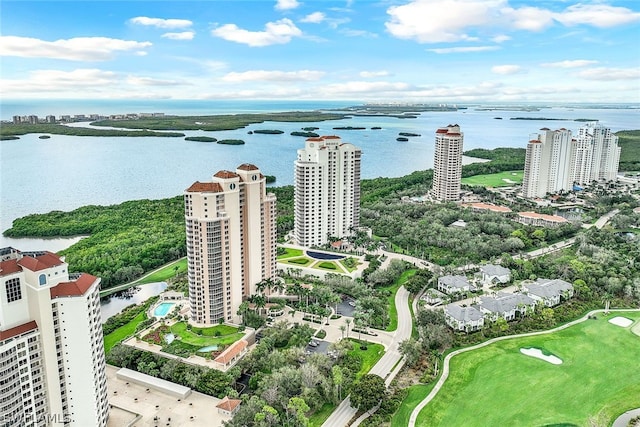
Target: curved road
[(385, 366), (445, 365)]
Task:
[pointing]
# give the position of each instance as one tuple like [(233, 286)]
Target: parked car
[(313, 343), (352, 303)]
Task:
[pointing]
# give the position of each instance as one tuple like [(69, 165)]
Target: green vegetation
[(501, 179), (8, 137), (219, 122), (415, 395), (25, 128), (44, 137), (408, 134), (230, 142), (498, 154), (393, 289), (499, 370), (402, 139), (123, 332), (123, 240), (297, 261), (270, 179), (169, 271), (327, 265), (200, 138), (368, 356), (124, 324), (284, 252), (219, 334), (269, 131), (305, 134), (350, 264), (629, 141)]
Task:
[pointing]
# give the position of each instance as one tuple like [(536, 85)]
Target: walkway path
[(623, 420), (124, 286), (388, 366), (447, 359)]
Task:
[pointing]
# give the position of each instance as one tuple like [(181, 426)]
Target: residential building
[(542, 220), (231, 242), (597, 154), (50, 119), (433, 297), (549, 292), (454, 284), (327, 190), (547, 167), (493, 274), (506, 305), (465, 319), (51, 343), (447, 164), (481, 207)]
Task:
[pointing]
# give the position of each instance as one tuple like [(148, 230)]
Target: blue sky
[(451, 51)]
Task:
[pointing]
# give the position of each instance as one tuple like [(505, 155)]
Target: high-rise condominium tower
[(554, 161), (52, 365), (597, 154), (231, 242), (327, 190), (547, 167), (447, 164)]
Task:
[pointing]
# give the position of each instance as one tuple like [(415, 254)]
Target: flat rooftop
[(170, 411)]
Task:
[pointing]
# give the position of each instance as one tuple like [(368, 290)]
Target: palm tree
[(342, 329), (347, 322)]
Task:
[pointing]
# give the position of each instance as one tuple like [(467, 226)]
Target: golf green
[(599, 378)]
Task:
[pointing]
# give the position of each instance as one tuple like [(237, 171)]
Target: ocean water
[(66, 172)]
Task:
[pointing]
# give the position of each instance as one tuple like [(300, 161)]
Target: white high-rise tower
[(51, 345), (327, 190), (548, 161), (447, 164)]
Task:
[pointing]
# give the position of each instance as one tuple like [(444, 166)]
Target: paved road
[(623, 420), (385, 366), (447, 359)]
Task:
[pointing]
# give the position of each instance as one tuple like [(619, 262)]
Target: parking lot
[(345, 309)]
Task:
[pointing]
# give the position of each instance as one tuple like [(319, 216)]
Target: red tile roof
[(9, 267), (442, 130), (228, 405), (229, 354), (535, 141), (226, 174), (75, 288), (18, 330), (204, 187), (315, 139), (47, 260), (330, 137), (247, 167)]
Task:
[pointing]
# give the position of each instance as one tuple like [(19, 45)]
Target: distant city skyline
[(430, 51)]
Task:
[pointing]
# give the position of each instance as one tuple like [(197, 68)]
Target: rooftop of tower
[(204, 187), (248, 167)]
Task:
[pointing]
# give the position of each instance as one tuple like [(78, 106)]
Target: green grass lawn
[(123, 332), (393, 311), (328, 265), (228, 335), (290, 253), (369, 357), (416, 394), (497, 385), (350, 264), (320, 416), (167, 272), (495, 179), (300, 261)]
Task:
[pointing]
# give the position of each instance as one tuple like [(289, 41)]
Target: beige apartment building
[(231, 242), (52, 362), (327, 190), (447, 164)]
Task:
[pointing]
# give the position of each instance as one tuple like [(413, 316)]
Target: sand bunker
[(537, 353), (621, 321), (508, 181)]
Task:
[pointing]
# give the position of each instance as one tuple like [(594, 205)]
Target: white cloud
[(286, 4), (75, 49), (463, 49), (364, 87), (167, 24), (500, 38), (573, 63), (598, 15), (372, 74), (506, 69), (527, 18), (607, 74), (61, 81), (279, 32), (184, 35), (278, 76), (148, 81), (314, 18), (437, 21), (358, 33)]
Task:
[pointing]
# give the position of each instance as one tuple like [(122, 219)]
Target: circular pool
[(324, 256)]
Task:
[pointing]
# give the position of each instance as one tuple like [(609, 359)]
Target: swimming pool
[(324, 256), (163, 309), (208, 348)]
